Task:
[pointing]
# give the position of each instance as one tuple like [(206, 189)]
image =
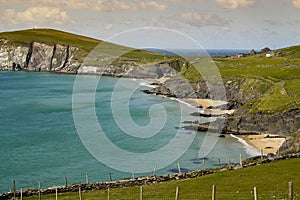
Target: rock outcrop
[(13, 57), (238, 93), (38, 57), (62, 59)]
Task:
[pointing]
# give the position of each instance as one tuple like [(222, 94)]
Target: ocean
[(41, 141), (199, 52)]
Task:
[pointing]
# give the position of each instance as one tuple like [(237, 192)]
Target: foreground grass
[(270, 179)]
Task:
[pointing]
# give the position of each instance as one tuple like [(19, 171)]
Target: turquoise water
[(39, 140)]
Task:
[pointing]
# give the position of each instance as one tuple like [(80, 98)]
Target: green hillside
[(271, 181), (277, 78), (85, 44)]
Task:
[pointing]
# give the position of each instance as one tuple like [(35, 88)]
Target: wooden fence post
[(21, 195), (132, 173), (179, 169), (107, 193), (110, 177), (13, 188), (291, 191), (219, 162), (79, 191), (262, 154), (241, 161), (177, 193), (213, 197), (255, 193), (66, 181), (229, 164), (86, 178), (141, 193), (203, 164), (56, 197), (39, 189), (154, 170)]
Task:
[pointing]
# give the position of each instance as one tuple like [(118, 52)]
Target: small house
[(269, 54)]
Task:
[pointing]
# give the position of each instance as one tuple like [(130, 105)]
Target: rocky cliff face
[(238, 93), (61, 58), (38, 57)]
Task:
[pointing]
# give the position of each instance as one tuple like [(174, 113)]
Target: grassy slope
[(270, 179), (277, 78), (85, 44)]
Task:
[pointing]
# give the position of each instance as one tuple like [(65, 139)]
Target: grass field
[(271, 181)]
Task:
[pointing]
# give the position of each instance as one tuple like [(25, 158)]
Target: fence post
[(229, 164), (255, 193), (66, 181), (291, 191), (241, 161), (79, 191), (178, 166), (13, 188), (177, 193), (213, 192), (132, 173), (219, 162), (21, 194), (141, 193), (154, 170), (108, 193), (110, 177), (262, 154), (86, 178), (39, 189), (203, 164), (56, 197)]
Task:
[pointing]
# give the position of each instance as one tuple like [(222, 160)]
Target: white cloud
[(154, 5), (97, 5), (200, 20), (234, 4), (296, 3), (108, 26), (36, 16)]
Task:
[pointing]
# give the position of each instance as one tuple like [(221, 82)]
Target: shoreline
[(264, 143), (254, 144)]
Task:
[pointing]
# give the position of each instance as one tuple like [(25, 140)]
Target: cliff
[(46, 50)]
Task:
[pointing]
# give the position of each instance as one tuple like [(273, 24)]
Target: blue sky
[(217, 24)]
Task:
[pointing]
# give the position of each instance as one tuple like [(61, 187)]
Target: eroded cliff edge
[(242, 94), (42, 57)]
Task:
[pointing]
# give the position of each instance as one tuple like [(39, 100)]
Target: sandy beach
[(266, 142)]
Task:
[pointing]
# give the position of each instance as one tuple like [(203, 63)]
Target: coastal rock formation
[(40, 57), (238, 93), (44, 57), (13, 57)]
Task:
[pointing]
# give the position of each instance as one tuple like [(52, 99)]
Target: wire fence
[(140, 193), (128, 188)]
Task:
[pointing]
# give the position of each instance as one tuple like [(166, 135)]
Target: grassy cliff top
[(85, 44), (276, 79)]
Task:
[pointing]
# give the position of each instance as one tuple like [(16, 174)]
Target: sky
[(213, 24)]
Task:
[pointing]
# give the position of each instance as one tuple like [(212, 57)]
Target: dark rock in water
[(199, 159), (197, 114), (197, 162), (191, 122), (175, 170), (222, 136)]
